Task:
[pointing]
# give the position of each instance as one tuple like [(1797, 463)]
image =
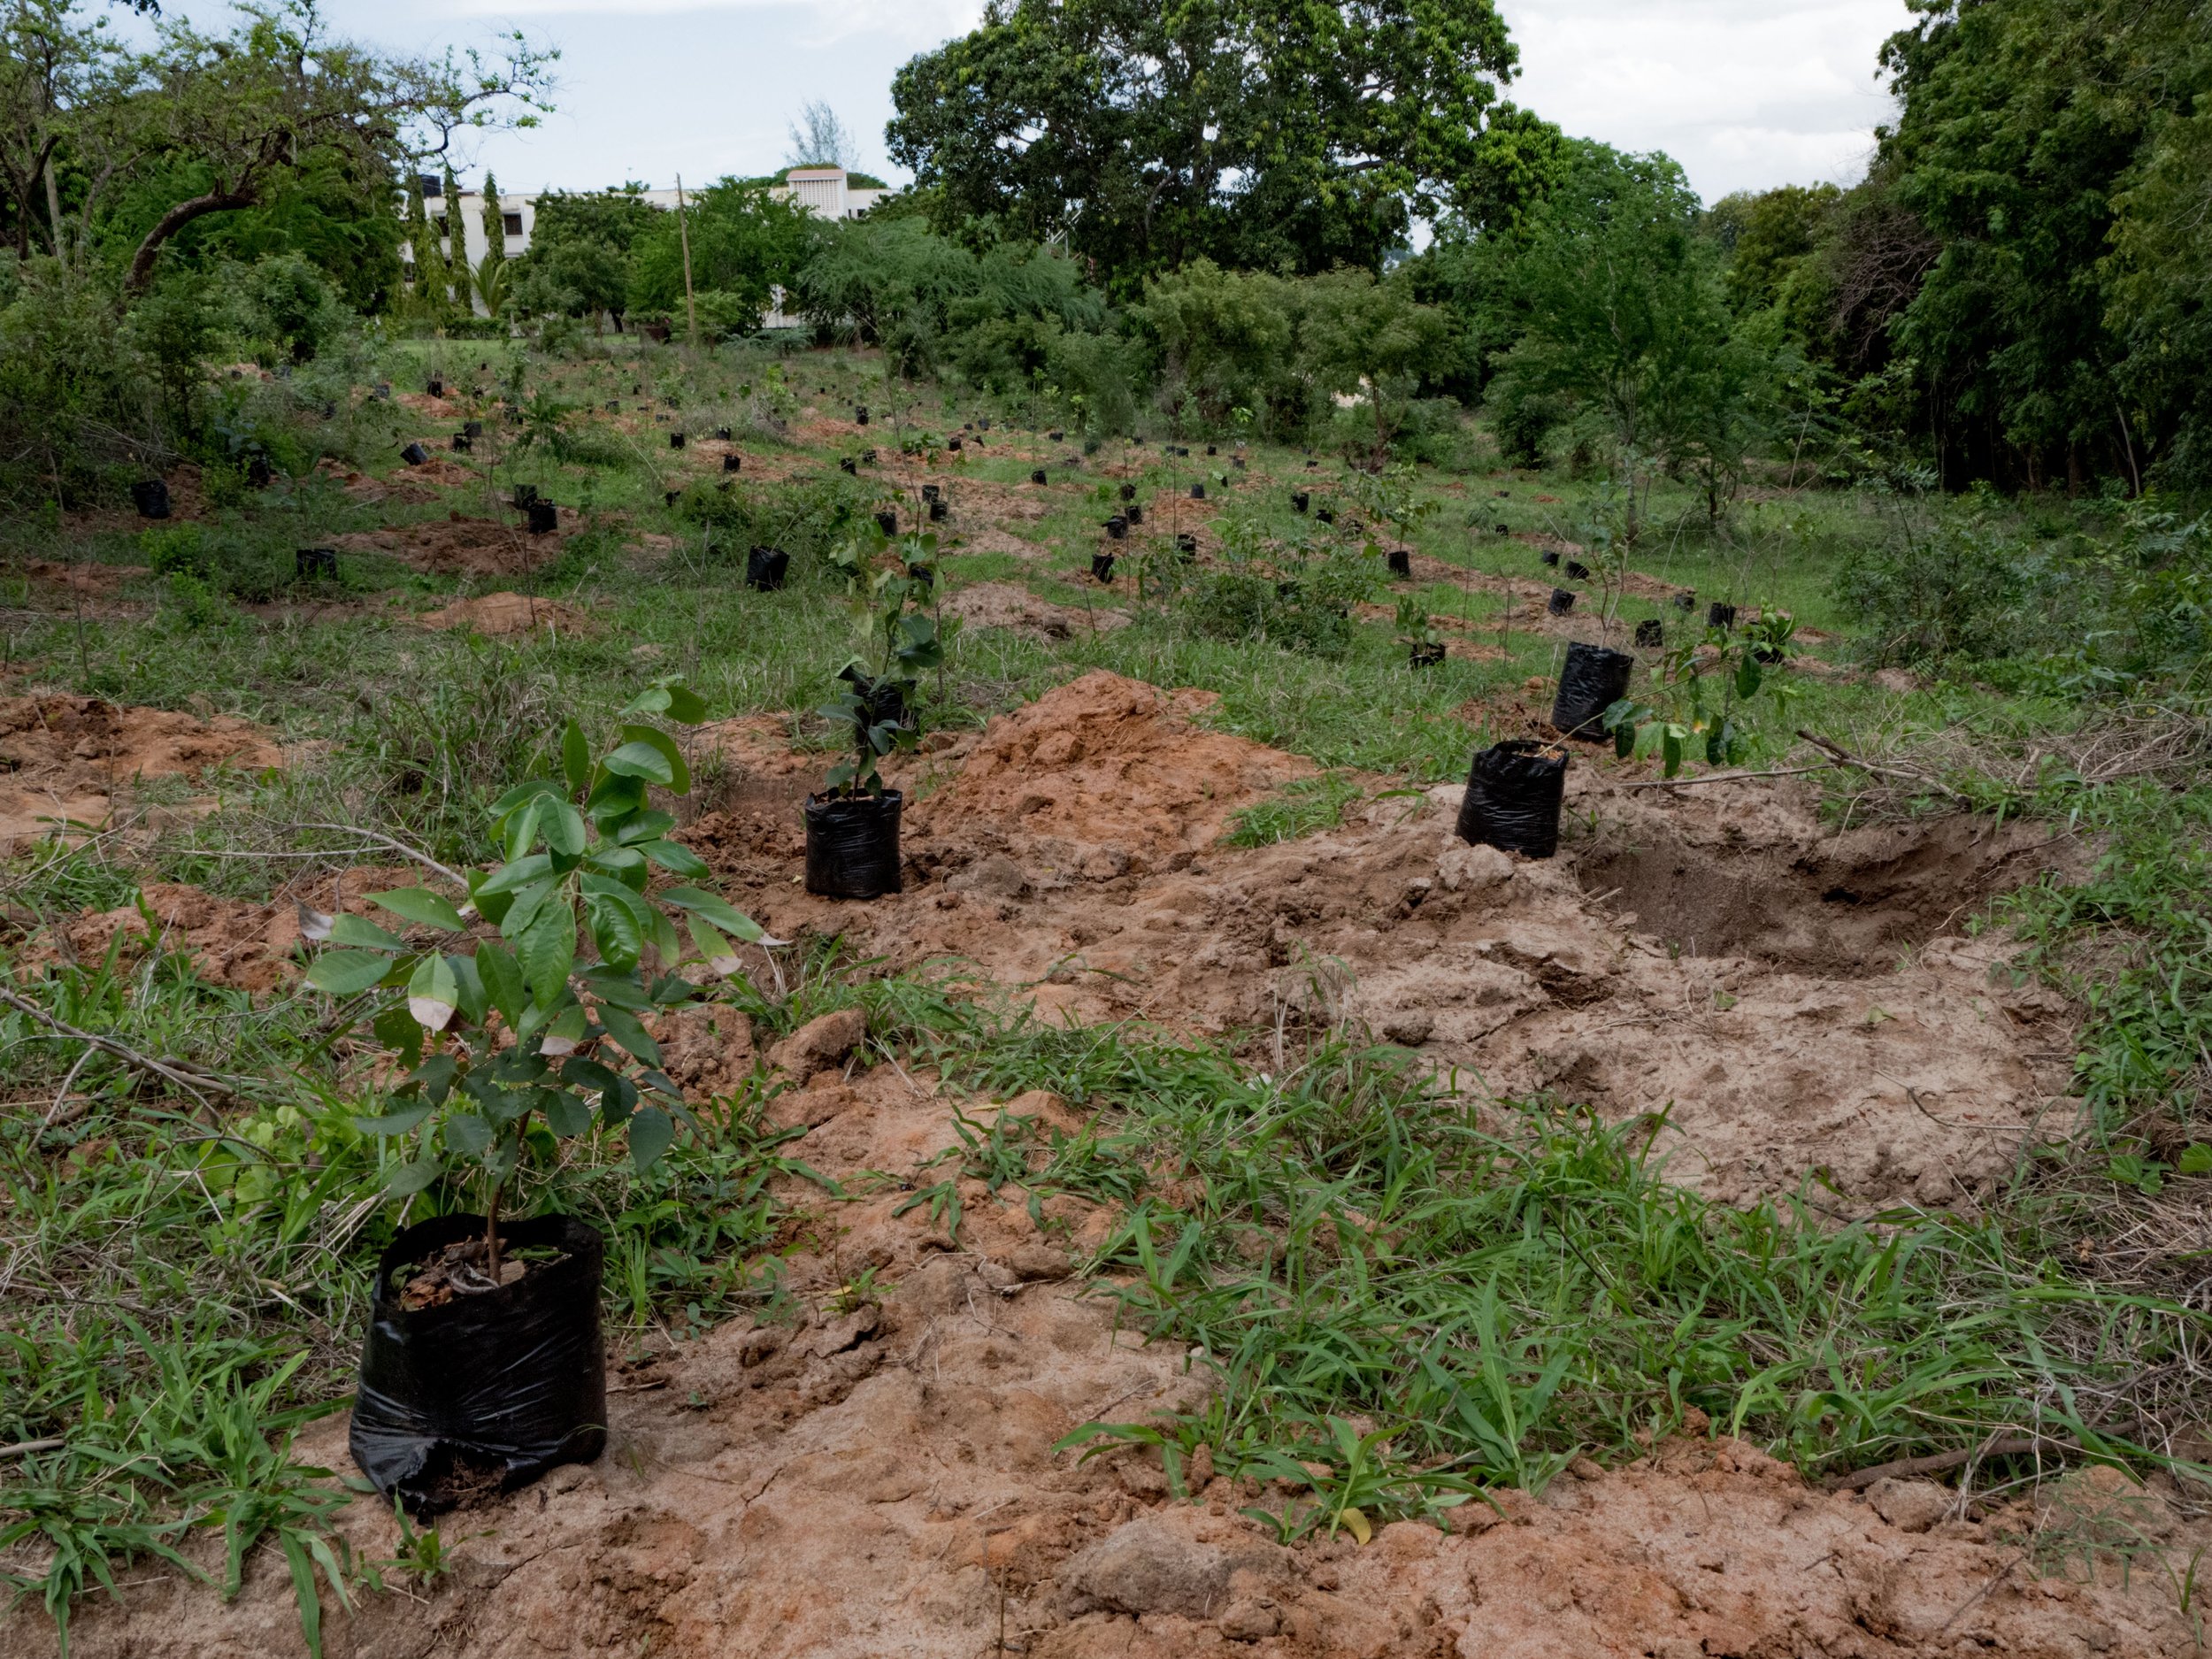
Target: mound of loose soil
[(232, 942), (1778, 1000), (456, 546), (65, 757), (1004, 606), (878, 1476), (1113, 767), (504, 613)]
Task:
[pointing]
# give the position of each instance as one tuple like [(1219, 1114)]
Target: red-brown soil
[(875, 1475), (68, 757), (504, 613), (1787, 1002)]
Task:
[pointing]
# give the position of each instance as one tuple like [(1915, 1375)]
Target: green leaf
[(716, 909), (647, 827), (676, 858), (642, 760), (678, 780), (714, 949), (519, 833), (474, 999), (547, 949), (575, 757), (512, 878), (397, 1123), (686, 706), (624, 1028), (360, 932), (1747, 675), (503, 980), (565, 1032), (565, 1114), (2195, 1160), (615, 930), (421, 905), (1671, 749), (529, 902), (433, 993), (651, 1131), (468, 1134), (528, 791), (347, 972), (396, 1029), (402, 1180), (564, 831)]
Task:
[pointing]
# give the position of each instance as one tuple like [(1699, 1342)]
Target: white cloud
[(1745, 94)]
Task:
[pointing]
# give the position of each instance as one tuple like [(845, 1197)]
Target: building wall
[(823, 191)]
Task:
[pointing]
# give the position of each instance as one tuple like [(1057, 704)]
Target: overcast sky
[(1744, 93)]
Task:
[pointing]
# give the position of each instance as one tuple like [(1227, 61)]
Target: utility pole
[(691, 300)]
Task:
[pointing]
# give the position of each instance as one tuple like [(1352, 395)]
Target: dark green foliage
[(745, 244), (1248, 130)]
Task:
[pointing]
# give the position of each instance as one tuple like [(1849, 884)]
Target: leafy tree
[(1620, 306), (578, 263), (818, 139), (1228, 341), (891, 280), (494, 222), (2033, 141), (1370, 339), (746, 243), (1257, 132)]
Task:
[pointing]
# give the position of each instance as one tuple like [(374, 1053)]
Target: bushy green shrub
[(1964, 583)]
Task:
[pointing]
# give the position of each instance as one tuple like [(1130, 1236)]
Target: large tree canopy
[(1291, 134)]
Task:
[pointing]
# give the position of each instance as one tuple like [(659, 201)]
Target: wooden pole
[(691, 300)]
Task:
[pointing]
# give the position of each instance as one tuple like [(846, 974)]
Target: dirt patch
[(1114, 767), (455, 546), (233, 942), (361, 487), (1775, 1026), (84, 578), (67, 758), (505, 613), (1004, 606), (877, 1476)]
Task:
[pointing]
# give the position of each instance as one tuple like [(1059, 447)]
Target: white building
[(824, 192)]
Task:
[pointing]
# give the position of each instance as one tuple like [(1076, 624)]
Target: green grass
[(1423, 1301)]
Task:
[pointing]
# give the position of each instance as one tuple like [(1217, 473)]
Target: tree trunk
[(175, 219)]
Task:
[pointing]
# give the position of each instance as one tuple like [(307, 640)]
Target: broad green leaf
[(565, 1031), (347, 972), (512, 878), (503, 980), (676, 858), (432, 993), (651, 1131), (678, 778), (2195, 1160), (403, 1179), (647, 827), (396, 1029), (565, 1114), (475, 1001), (547, 950), (615, 931), (686, 706), (624, 1028), (521, 793), (467, 1133), (641, 760), (616, 1103), (519, 833), (587, 1074), (621, 989), (524, 912), (1747, 675), (421, 905), (716, 909), (397, 1123), (575, 759), (617, 860), (364, 934), (564, 832), (714, 949)]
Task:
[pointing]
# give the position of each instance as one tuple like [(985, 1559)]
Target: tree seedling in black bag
[(500, 1037), (1701, 686), (1416, 632)]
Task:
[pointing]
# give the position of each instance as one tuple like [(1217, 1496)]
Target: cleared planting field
[(1203, 1202)]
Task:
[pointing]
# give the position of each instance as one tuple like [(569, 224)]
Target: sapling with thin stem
[(506, 1027), (904, 642)]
